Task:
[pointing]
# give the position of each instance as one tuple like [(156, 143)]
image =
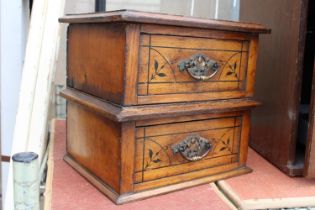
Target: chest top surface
[(163, 19)]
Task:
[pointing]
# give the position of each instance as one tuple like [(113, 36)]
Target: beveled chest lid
[(163, 19)]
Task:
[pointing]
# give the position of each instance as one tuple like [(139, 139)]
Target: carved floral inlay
[(198, 66), (158, 154)]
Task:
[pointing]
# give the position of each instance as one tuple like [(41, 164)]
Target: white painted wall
[(14, 25), (142, 5), (216, 9)]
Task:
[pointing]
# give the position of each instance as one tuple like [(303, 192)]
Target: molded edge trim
[(143, 112)]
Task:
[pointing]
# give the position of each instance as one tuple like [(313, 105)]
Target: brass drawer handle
[(199, 67), (193, 147)]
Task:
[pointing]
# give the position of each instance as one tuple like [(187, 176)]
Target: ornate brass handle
[(199, 67), (193, 147)]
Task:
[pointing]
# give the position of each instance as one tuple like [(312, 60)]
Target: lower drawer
[(174, 147), (180, 147)]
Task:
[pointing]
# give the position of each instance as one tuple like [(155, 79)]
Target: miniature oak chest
[(158, 102)]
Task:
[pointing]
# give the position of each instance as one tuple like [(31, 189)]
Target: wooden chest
[(126, 70)]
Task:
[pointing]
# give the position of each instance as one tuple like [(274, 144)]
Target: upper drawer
[(178, 68), (131, 64)]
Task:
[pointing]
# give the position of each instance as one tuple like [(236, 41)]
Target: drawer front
[(159, 148), (173, 67)]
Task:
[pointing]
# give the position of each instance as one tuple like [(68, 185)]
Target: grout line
[(229, 194), (223, 197)]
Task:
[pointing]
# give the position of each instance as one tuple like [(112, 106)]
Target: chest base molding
[(129, 197)]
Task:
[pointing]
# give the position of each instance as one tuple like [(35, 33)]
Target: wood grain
[(187, 97), (87, 144), (244, 138), (167, 89), (128, 152), (191, 126), (184, 118), (251, 71), (193, 32), (131, 64), (197, 43), (185, 177), (96, 59), (182, 169)]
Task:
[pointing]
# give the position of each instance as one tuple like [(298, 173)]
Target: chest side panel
[(96, 59), (94, 142)]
